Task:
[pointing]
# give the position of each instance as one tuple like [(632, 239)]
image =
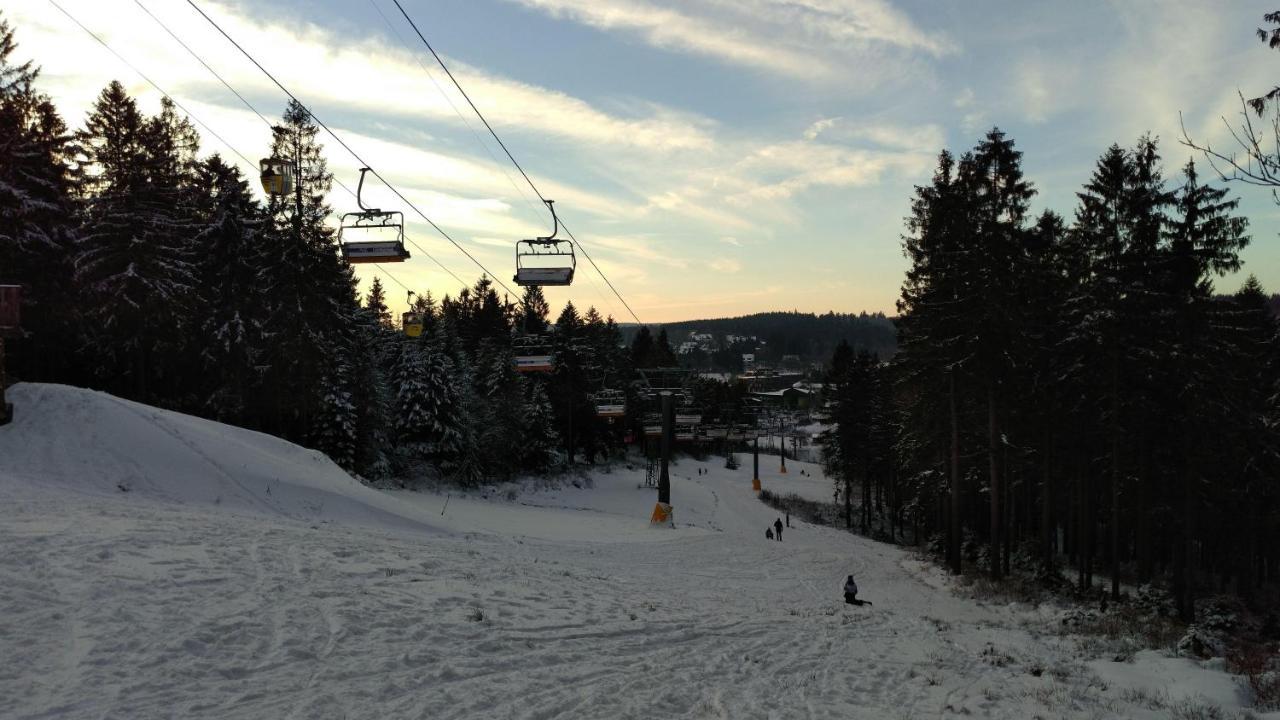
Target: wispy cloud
[(798, 38), (877, 134)]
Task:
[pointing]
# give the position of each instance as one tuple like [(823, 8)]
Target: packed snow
[(158, 565)]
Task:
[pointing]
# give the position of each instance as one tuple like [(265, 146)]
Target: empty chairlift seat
[(371, 235), (610, 404), (532, 354), (544, 262)]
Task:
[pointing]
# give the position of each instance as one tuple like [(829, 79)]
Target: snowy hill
[(92, 443), (198, 593)]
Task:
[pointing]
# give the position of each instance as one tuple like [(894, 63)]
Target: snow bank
[(91, 443)]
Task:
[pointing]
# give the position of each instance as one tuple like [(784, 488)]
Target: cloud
[(886, 135), (805, 39), (725, 265), (818, 127), (332, 73), (782, 170)]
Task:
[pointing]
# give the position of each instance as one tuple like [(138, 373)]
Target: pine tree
[(335, 430), (230, 295), (534, 313), (37, 219), (642, 348), (933, 356), (132, 261), (376, 303), (539, 439), (313, 300)]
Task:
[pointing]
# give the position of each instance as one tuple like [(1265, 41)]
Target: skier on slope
[(777, 529)]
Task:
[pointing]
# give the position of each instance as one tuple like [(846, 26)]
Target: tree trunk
[(1115, 477), (1046, 501), (1143, 511), (993, 447), (953, 538)]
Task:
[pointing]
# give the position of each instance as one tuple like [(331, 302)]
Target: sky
[(714, 157)]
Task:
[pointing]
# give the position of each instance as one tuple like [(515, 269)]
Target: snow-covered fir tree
[(133, 259), (335, 432)]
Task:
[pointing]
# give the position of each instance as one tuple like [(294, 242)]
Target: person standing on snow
[(777, 529)]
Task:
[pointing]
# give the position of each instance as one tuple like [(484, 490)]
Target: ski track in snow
[(131, 606)]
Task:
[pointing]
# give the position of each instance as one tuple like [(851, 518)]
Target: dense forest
[(155, 274), (1072, 391)]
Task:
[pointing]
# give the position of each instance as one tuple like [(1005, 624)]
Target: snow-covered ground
[(156, 565)]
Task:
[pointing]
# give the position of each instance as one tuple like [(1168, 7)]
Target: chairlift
[(412, 321), (545, 261), (532, 354), (610, 404), (276, 176), (372, 220)]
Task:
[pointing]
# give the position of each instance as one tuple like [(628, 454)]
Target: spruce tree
[(313, 302), (132, 260), (231, 299), (37, 219), (376, 303)]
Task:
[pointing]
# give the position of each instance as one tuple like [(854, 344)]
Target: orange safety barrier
[(662, 515)]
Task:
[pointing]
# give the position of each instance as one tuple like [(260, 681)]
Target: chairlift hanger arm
[(555, 221), (360, 189)]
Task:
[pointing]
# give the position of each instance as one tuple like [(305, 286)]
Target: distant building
[(791, 398)]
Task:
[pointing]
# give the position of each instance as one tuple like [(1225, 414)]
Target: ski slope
[(196, 594)]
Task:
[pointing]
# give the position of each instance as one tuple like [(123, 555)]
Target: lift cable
[(352, 152), (249, 163), (153, 84), (508, 152), (270, 125), (524, 194)]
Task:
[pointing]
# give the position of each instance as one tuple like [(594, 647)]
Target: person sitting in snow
[(768, 533), (851, 592)]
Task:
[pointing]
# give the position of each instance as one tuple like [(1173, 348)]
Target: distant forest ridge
[(810, 336)]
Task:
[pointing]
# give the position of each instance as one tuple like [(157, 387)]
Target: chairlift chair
[(412, 321), (545, 261), (653, 425), (532, 353), (370, 220), (276, 176), (610, 404)]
